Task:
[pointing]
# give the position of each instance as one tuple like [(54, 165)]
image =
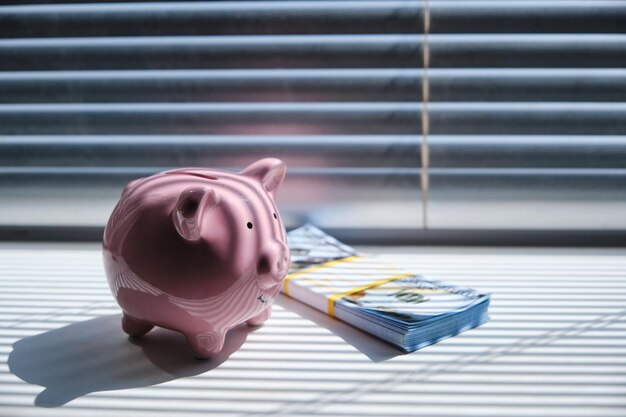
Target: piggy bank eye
[(249, 225), (275, 216)]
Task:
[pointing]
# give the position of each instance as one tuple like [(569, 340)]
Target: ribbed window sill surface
[(555, 345)]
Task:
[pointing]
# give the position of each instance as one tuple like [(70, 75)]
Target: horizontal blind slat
[(512, 118), (314, 118), (233, 17), (543, 16), (525, 151), (207, 151), (527, 50), (241, 118), (315, 51), (192, 52), (211, 85), (321, 84), (210, 18)]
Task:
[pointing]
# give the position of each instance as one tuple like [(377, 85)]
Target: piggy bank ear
[(269, 171), (190, 206)]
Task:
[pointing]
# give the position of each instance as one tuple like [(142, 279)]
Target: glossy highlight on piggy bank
[(198, 251)]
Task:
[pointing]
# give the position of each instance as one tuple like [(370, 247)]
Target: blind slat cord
[(425, 125)]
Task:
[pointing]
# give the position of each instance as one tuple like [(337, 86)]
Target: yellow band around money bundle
[(313, 269), (333, 298)]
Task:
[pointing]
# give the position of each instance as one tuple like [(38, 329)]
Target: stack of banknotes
[(401, 307)]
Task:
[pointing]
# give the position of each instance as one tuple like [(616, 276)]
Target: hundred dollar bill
[(311, 246), (413, 298)]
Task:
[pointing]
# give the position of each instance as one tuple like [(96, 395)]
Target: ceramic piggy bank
[(198, 251)]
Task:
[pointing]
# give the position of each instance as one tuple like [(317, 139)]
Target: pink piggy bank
[(197, 251)]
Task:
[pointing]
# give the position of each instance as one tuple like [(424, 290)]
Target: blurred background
[(447, 121)]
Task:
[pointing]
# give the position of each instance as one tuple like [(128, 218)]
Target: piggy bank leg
[(207, 344), (260, 318), (134, 327)]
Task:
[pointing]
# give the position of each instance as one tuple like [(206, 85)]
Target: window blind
[(398, 119)]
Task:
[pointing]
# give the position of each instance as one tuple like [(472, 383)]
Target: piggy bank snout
[(274, 261)]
